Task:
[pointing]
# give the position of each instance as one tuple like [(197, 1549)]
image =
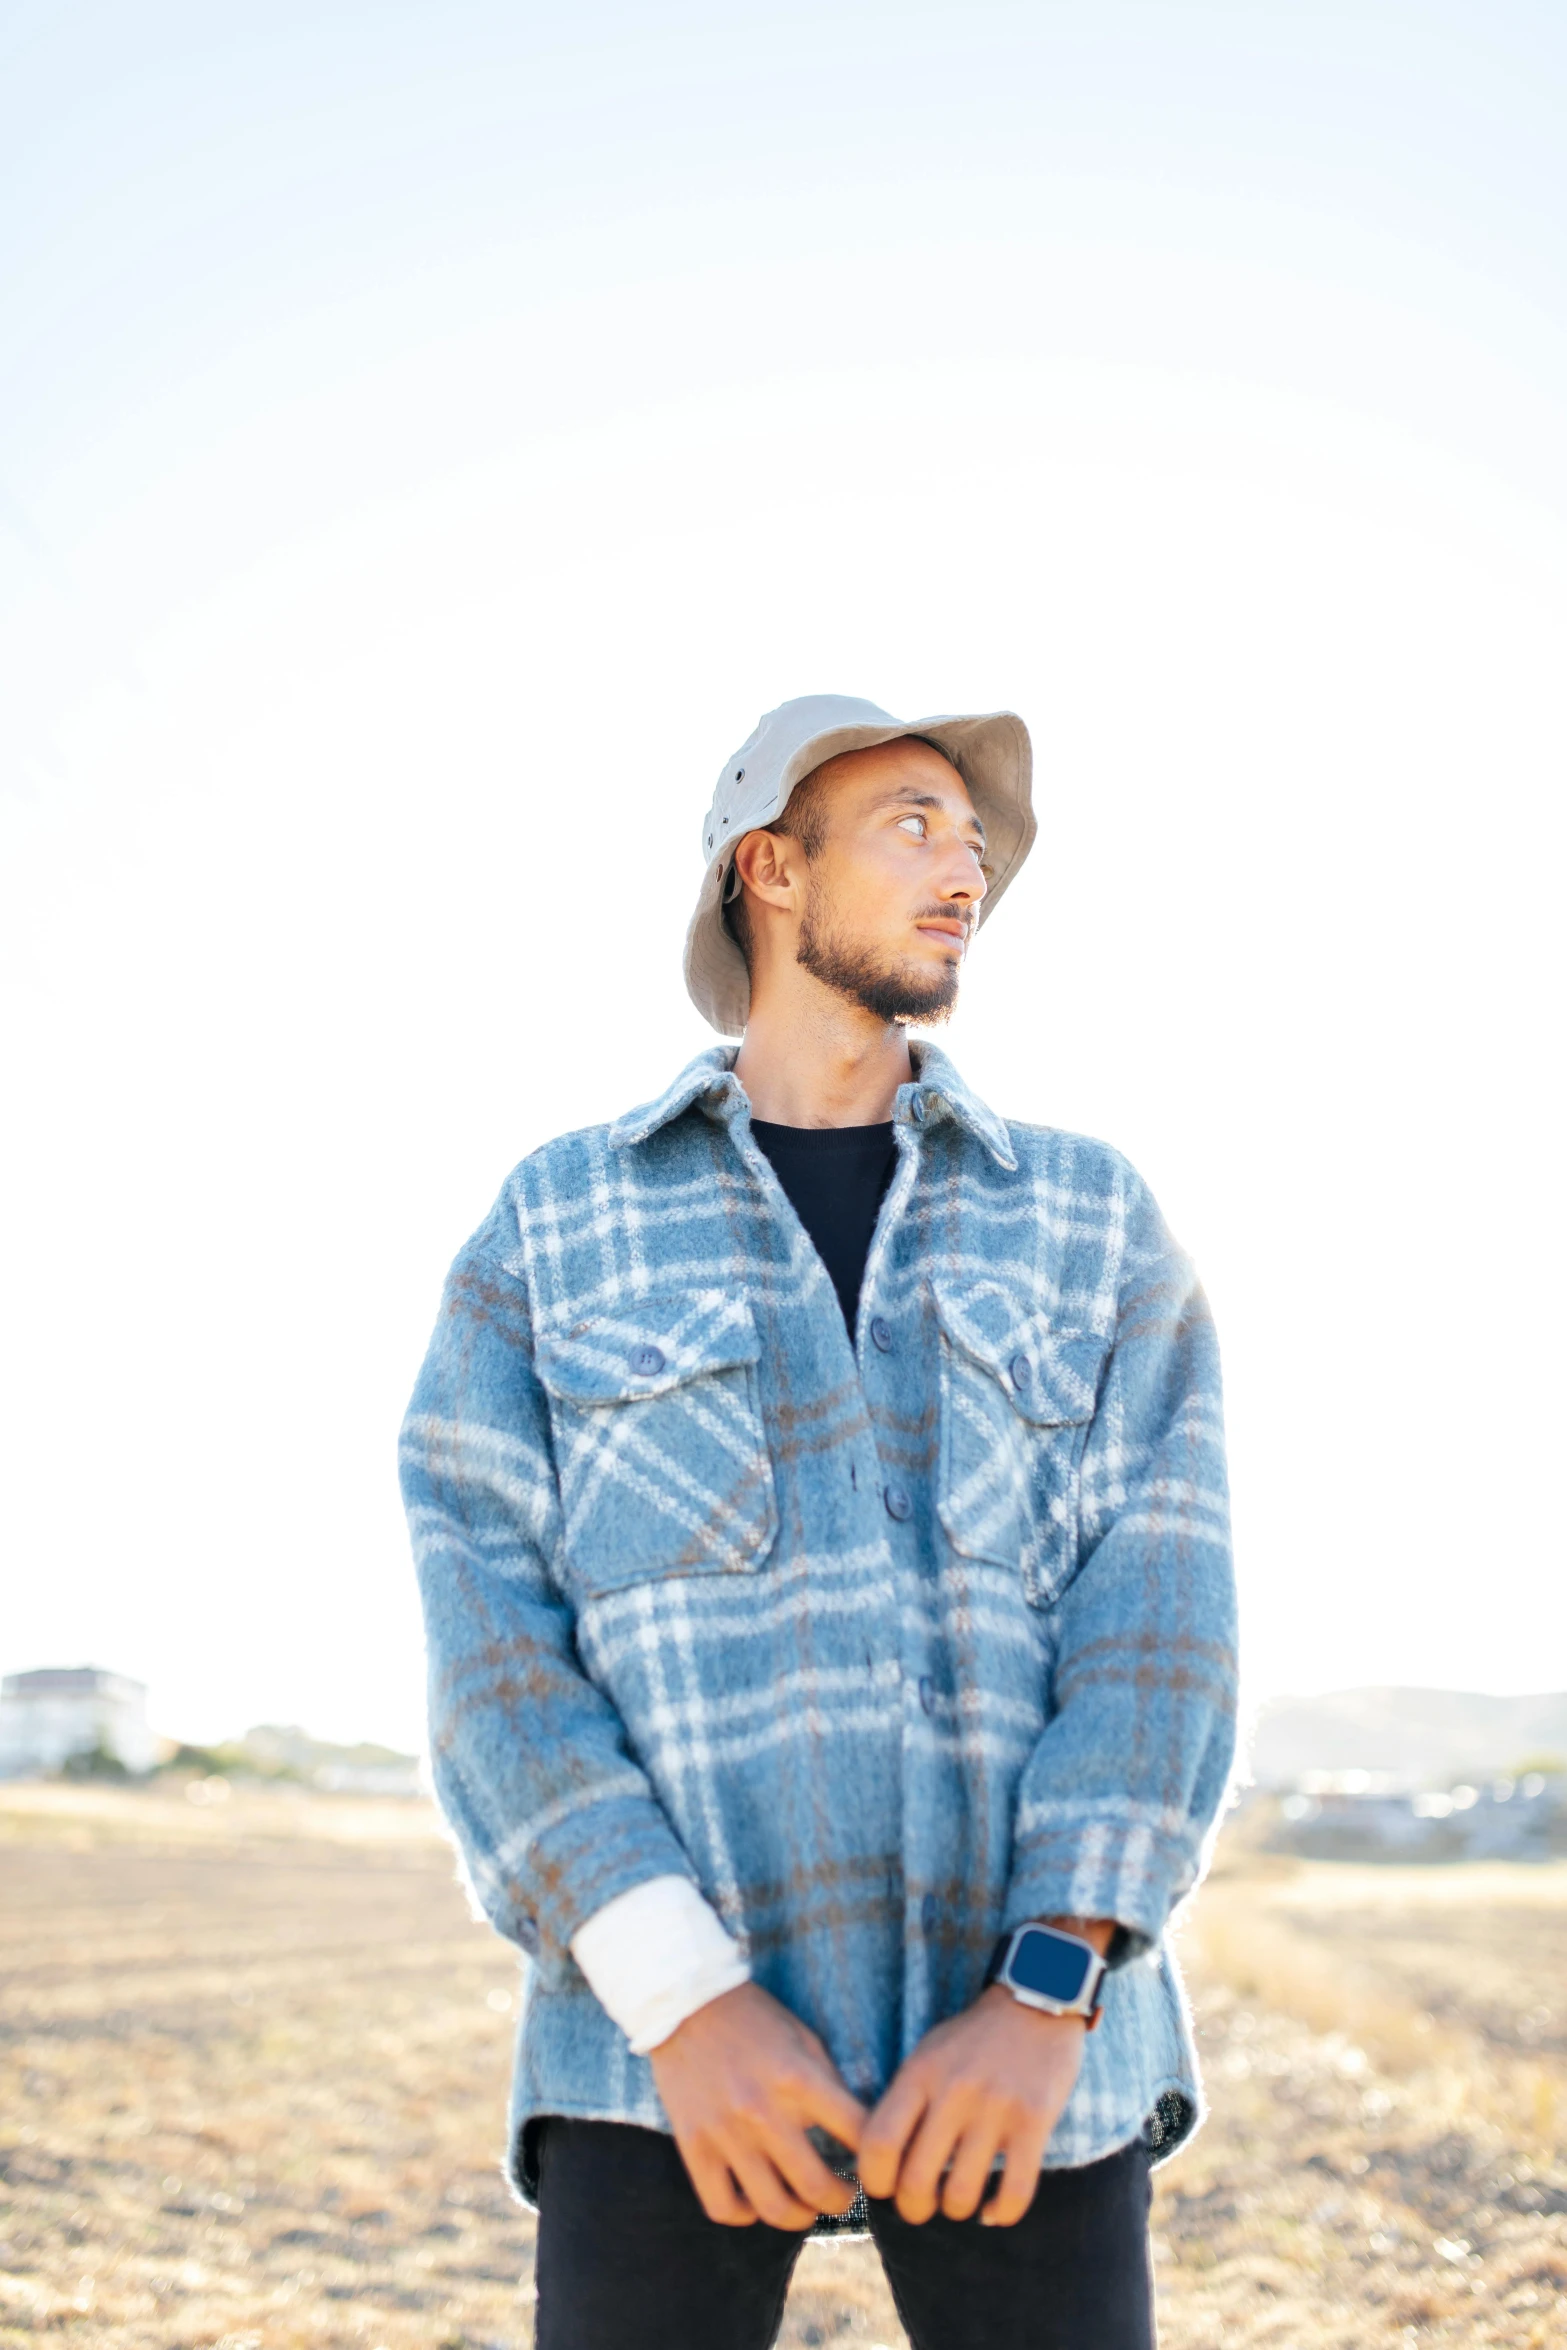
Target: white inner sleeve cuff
[(655, 1955)]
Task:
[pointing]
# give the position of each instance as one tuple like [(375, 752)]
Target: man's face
[(892, 895)]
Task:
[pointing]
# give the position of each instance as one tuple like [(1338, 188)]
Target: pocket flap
[(648, 1346), (1050, 1373)]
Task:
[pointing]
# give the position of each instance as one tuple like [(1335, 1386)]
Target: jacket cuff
[(591, 1847), (655, 1955), (1083, 1860)]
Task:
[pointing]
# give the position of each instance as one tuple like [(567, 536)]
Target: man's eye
[(905, 821)]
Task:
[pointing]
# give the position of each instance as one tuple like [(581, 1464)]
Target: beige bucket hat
[(991, 753)]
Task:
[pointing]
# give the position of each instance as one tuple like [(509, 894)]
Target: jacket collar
[(707, 1079), (936, 1091)]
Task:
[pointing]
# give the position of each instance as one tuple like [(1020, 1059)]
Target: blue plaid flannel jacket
[(886, 1646)]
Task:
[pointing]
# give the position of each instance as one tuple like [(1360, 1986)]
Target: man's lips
[(956, 933)]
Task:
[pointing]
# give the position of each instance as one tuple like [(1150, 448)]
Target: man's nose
[(965, 877)]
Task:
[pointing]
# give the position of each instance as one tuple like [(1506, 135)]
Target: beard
[(890, 989)]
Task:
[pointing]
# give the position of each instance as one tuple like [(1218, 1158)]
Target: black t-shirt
[(834, 1177)]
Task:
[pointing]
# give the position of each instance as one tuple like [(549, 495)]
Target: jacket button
[(646, 1360), (927, 1693), (1022, 1371), (899, 1505), (929, 1912), (917, 1108), (881, 1333)]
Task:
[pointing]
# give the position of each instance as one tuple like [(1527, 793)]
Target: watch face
[(1046, 1964)]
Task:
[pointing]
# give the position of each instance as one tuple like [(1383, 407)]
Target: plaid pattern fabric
[(887, 1647)]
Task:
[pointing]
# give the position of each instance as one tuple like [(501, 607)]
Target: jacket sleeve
[(1120, 1791), (531, 1763)]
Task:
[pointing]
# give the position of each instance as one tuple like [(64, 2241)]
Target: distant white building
[(48, 1716)]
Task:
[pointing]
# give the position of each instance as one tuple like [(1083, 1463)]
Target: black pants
[(629, 2260)]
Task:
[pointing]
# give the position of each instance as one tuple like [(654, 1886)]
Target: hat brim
[(995, 759)]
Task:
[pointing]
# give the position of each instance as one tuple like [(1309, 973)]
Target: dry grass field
[(253, 2058)]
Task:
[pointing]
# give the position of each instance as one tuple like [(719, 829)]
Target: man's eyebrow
[(907, 797)]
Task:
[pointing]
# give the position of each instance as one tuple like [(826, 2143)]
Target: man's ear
[(765, 861)]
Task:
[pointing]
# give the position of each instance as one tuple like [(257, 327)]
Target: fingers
[(770, 2176), (766, 2192), (741, 2120), (802, 2094), (824, 2099), (927, 2156), (965, 2181), (716, 2191), (993, 2079), (809, 2177), (803, 2170), (888, 2131), (1020, 2179)]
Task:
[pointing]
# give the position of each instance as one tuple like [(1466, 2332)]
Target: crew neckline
[(823, 1137)]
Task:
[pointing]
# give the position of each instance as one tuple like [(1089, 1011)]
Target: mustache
[(967, 916)]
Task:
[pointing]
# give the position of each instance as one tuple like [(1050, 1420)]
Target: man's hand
[(741, 2081), (993, 2080)]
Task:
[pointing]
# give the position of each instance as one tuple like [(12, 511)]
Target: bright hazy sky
[(430, 435)]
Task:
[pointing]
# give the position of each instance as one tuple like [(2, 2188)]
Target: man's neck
[(837, 1066)]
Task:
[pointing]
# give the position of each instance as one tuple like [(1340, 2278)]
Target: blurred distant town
[(1363, 1774), (1410, 1774), (78, 1722)]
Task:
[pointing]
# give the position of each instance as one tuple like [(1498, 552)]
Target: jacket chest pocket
[(660, 1450), (1017, 1397)]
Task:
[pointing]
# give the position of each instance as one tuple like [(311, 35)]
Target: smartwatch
[(1045, 1968)]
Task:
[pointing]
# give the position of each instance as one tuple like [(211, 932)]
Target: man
[(818, 1493)]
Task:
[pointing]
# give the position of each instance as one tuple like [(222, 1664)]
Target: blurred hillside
[(1419, 1736), (275, 1751)]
